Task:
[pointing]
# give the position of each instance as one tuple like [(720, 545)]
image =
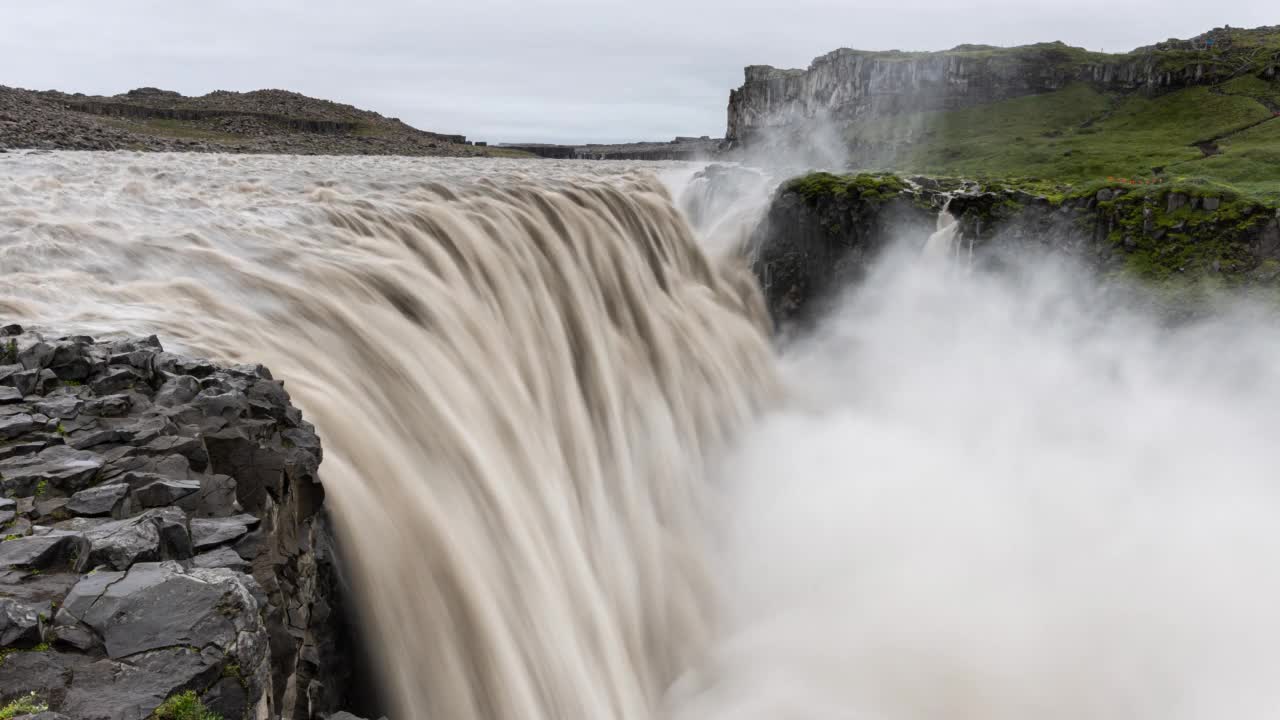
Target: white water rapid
[(577, 483)]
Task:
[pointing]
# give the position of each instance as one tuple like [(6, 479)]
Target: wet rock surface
[(823, 232), (163, 532)]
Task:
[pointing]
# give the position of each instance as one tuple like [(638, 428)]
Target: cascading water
[(944, 244), (518, 384), (560, 459)]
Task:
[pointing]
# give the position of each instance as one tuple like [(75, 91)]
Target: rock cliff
[(846, 86), (164, 533), (823, 231)]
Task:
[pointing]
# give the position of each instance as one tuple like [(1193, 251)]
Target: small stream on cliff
[(575, 479)]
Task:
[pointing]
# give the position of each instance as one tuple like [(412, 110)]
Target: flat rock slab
[(61, 467), (223, 557), (98, 501), (159, 605), (164, 492), (152, 536), (41, 552), (211, 532)]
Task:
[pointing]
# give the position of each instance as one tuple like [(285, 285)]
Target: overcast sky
[(535, 70)]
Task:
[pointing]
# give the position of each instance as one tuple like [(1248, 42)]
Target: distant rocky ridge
[(681, 148), (846, 86), (163, 533), (263, 121)]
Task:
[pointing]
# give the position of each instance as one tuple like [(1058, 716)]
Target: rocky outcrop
[(846, 87), (164, 532), (263, 121), (823, 231), (681, 148)]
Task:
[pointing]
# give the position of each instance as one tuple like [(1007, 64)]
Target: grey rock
[(63, 407), (98, 501), (67, 469), (41, 552), (223, 557), (211, 532), (69, 631), (130, 690), (116, 379), (164, 492), (109, 406), (1212, 203), (9, 395), (49, 672), (36, 356), (8, 509), (152, 536), (20, 623), (177, 391), (53, 508), (15, 425), (159, 605), (26, 447)]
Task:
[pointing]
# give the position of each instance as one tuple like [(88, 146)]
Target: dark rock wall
[(164, 531), (819, 237)]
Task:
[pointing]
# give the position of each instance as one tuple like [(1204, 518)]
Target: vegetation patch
[(820, 186), (28, 704), (184, 706)]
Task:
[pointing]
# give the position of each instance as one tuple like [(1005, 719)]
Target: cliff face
[(823, 232), (163, 533), (848, 86)]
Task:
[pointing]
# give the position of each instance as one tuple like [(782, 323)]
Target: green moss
[(9, 352), (6, 652), (820, 186), (28, 704), (42, 487), (184, 706)]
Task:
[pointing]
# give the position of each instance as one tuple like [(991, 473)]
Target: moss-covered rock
[(822, 230)]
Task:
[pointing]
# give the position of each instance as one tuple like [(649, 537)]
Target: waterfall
[(518, 384), (575, 481), (944, 242)]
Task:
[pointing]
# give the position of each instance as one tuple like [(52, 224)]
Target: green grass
[(1079, 135), (184, 706), (28, 704), (177, 129)]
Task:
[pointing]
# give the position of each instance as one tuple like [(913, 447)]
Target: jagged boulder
[(164, 533)]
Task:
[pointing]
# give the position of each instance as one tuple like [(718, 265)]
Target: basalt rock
[(133, 480), (845, 88), (822, 232)]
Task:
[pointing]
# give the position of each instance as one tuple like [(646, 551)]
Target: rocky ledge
[(823, 231), (164, 538)]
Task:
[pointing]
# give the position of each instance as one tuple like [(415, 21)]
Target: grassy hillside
[(1227, 132)]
